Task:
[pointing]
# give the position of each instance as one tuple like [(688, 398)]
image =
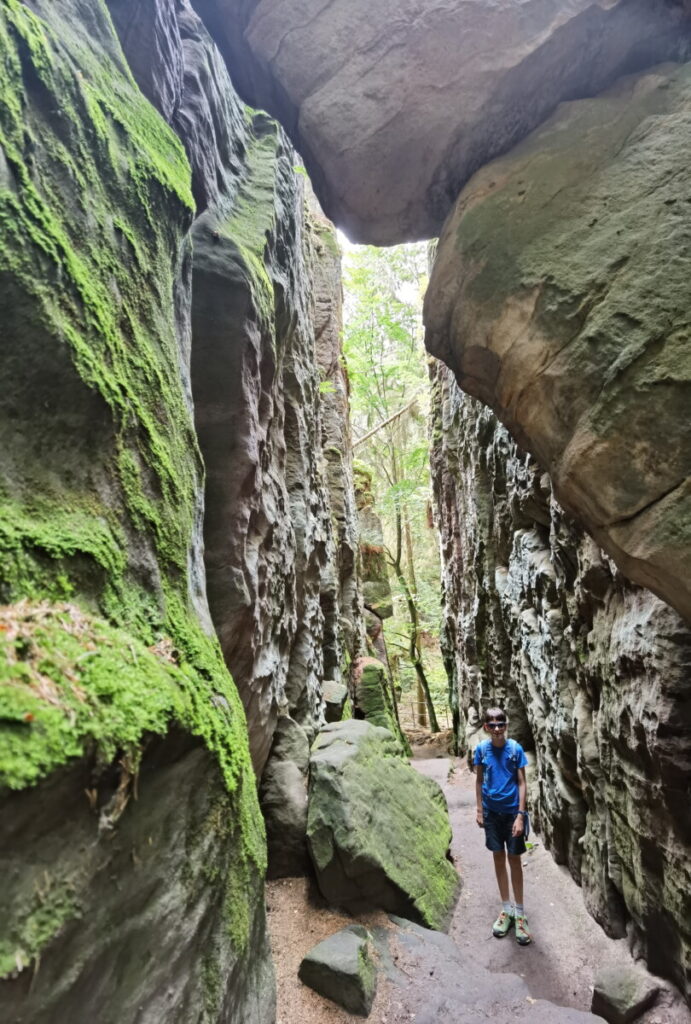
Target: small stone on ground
[(622, 993), (341, 969)]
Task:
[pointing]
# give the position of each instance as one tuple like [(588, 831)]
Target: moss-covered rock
[(124, 894), (574, 325), (372, 699), (106, 639), (342, 969), (378, 832)]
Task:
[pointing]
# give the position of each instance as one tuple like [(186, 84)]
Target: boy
[(500, 792)]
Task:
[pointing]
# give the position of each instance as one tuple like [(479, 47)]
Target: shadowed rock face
[(147, 929), (280, 522), (595, 674), (560, 297), (141, 908), (394, 105)]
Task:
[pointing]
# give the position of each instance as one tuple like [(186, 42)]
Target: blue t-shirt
[(500, 774)]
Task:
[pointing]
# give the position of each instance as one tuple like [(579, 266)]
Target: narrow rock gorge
[(192, 572), (594, 671)]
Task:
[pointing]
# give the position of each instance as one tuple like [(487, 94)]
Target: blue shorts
[(498, 828)]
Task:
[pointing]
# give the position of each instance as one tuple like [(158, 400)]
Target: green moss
[(349, 775), (70, 682), (94, 212), (363, 476), (115, 314), (253, 215), (53, 903), (375, 704), (367, 971)]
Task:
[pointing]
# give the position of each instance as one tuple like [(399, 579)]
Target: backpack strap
[(513, 752)]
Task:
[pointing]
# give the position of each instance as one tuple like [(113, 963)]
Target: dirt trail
[(568, 946), (560, 965)]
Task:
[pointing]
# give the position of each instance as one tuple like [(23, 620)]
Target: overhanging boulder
[(395, 104), (573, 325)]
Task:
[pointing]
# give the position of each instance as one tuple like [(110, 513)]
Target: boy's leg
[(516, 869), (523, 937), (502, 877), (505, 920)]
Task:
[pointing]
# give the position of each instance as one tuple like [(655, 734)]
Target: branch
[(384, 423)]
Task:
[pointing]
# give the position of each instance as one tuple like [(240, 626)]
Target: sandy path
[(568, 946), (560, 965)]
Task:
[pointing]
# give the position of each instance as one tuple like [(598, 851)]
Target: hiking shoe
[(523, 937), (502, 925)]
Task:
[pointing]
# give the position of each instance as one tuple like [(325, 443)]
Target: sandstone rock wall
[(573, 324), (106, 638), (396, 104), (270, 393), (595, 674), (124, 757)]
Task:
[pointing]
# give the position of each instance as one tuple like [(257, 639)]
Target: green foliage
[(387, 366)]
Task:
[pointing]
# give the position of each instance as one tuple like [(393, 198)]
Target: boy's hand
[(479, 818), (517, 829)]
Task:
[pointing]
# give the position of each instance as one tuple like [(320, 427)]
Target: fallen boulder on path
[(341, 969), (378, 833), (623, 993)]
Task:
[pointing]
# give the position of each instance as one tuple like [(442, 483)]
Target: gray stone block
[(623, 993), (341, 969)]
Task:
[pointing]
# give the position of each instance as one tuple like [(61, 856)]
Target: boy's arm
[(518, 824), (479, 817)]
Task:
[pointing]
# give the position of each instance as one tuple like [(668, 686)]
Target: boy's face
[(496, 727)]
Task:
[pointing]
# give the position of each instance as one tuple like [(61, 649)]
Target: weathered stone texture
[(147, 935), (376, 588), (283, 795), (595, 674), (573, 325), (342, 969), (342, 599), (102, 503), (280, 524), (394, 105), (378, 833)]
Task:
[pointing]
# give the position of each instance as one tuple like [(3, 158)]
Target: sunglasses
[(495, 725)]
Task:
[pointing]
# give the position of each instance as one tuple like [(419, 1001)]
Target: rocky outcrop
[(376, 587), (341, 599), (106, 632), (373, 701), (574, 325), (270, 393), (283, 795), (378, 833), (395, 105), (593, 671), (267, 530), (122, 898)]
